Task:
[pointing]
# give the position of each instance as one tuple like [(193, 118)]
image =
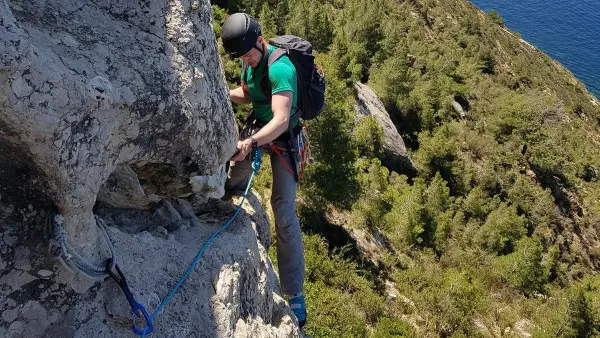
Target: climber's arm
[(281, 104), (240, 95)]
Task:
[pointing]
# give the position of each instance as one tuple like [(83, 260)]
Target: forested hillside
[(497, 233)]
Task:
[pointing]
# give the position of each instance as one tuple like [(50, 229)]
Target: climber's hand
[(243, 148)]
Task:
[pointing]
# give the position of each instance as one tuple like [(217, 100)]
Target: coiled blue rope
[(256, 162)]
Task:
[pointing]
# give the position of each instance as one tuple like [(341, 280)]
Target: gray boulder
[(395, 156), (121, 108), (459, 109), (91, 86)]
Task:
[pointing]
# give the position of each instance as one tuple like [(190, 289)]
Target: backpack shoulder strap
[(275, 55), (264, 81), (244, 72)]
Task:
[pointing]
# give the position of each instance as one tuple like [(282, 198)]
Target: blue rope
[(256, 162)]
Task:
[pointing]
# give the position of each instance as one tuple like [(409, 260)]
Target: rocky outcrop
[(116, 115), (461, 105), (90, 86), (232, 292), (395, 156)]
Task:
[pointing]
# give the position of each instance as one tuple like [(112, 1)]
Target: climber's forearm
[(281, 104), (239, 96)]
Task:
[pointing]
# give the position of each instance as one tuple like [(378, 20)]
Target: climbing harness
[(303, 145), (295, 139), (60, 247), (277, 150), (256, 157)]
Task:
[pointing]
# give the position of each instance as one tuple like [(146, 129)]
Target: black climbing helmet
[(239, 34)]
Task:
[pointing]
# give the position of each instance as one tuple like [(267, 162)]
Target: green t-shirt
[(282, 76)]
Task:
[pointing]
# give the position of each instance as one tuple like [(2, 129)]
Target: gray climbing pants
[(290, 252)]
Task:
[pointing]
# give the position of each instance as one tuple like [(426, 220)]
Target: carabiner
[(256, 157), (135, 306), (148, 321)]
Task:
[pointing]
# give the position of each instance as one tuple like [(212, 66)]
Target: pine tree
[(298, 20), (267, 22), (281, 15), (319, 30), (581, 317), (251, 7)]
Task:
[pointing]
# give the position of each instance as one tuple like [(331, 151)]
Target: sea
[(566, 30)]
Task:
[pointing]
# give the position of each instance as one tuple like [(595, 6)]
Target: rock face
[(121, 108), (89, 86), (232, 292), (395, 155)]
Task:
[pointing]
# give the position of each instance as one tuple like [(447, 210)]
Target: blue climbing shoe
[(299, 307)]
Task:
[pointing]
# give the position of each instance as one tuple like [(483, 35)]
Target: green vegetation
[(497, 234), (495, 17)]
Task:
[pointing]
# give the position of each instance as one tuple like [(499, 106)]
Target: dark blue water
[(566, 30)]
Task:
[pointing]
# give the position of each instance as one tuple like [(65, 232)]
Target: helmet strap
[(261, 50)]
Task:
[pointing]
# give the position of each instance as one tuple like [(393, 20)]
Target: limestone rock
[(459, 109), (461, 105), (122, 189), (232, 291), (395, 155), (254, 206), (92, 86), (111, 107), (210, 186)]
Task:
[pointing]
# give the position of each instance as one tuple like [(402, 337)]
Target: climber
[(271, 127)]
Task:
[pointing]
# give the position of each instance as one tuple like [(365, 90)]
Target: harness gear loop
[(305, 150), (119, 278)]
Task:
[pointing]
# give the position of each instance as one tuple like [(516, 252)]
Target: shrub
[(502, 229), (333, 176), (581, 317), (341, 303), (478, 204), (537, 203), (332, 313), (572, 312), (495, 17), (524, 268), (448, 299), (436, 153), (390, 328), (368, 137)]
